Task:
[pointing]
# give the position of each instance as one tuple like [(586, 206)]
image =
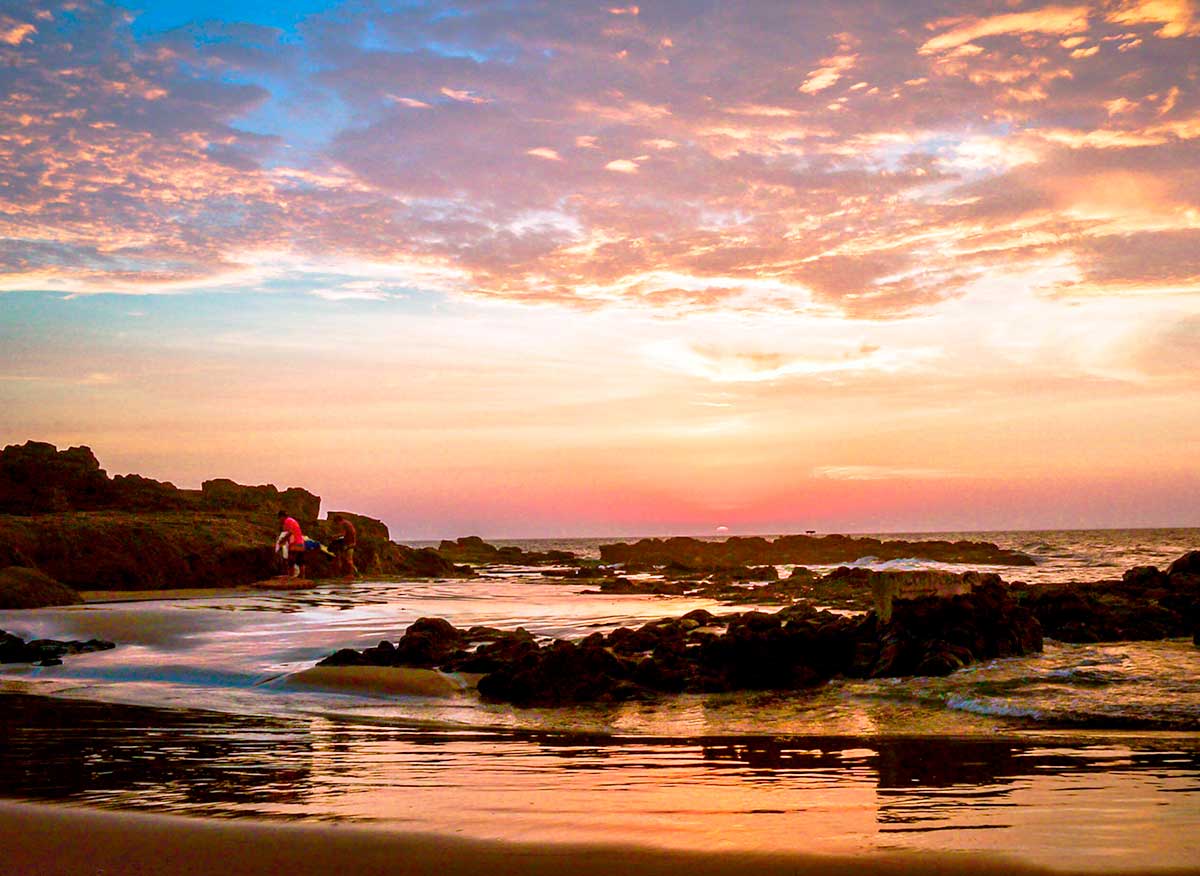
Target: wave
[(1100, 717)]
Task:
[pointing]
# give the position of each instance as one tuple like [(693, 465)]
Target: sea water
[(1092, 748)]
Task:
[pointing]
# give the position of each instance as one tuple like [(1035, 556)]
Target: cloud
[(622, 165), (13, 32), (1177, 17), (410, 102), (463, 96), (694, 173), (1050, 20), (880, 473), (828, 74)]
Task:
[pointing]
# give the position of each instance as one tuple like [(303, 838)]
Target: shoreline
[(56, 839)]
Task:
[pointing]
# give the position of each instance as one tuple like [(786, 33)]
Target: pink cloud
[(140, 164)]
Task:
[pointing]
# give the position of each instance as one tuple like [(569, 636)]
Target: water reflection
[(716, 792)]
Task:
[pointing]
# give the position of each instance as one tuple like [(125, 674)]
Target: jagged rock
[(793, 648), (37, 478), (23, 587)]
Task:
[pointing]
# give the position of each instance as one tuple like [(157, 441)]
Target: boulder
[(1188, 564), (23, 587)]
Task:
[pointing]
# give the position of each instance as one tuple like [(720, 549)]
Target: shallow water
[(1094, 748)]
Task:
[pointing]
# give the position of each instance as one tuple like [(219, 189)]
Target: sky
[(519, 269)]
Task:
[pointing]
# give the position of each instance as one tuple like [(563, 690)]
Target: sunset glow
[(523, 269)]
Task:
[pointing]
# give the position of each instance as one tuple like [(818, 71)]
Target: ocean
[(1085, 754)]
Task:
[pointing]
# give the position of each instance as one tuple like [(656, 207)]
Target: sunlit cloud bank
[(758, 225)]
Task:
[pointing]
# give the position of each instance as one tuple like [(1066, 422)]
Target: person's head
[(337, 518), (282, 514)]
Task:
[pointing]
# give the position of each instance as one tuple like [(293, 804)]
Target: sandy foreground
[(46, 840)]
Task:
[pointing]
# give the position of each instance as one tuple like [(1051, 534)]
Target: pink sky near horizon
[(591, 269)]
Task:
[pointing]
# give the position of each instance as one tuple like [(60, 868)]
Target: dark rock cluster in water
[(1147, 603), (474, 550), (44, 652), (693, 553), (796, 647)]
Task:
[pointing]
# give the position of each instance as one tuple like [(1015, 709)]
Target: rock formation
[(44, 652), (1146, 603), (24, 587), (474, 550), (61, 514), (795, 647), (695, 554)]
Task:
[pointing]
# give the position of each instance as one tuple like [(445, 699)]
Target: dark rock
[(38, 478), (735, 552), (474, 550), (222, 494), (45, 652), (23, 587), (1145, 604), (345, 657), (1188, 564), (365, 528)]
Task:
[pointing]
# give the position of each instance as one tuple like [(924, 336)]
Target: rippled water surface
[(197, 711)]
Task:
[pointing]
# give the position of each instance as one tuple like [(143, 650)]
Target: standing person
[(290, 543), (348, 539)]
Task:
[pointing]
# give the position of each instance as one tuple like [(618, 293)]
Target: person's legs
[(348, 568)]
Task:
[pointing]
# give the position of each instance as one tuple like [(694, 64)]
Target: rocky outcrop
[(795, 647), (222, 494), (24, 587), (1146, 603), (38, 478), (114, 550), (691, 553), (69, 520), (474, 550), (44, 652)]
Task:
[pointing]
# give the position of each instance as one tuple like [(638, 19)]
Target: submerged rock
[(45, 652)]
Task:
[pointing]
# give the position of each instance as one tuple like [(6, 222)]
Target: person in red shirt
[(290, 544)]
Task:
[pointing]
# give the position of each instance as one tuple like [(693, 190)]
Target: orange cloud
[(1177, 17), (1050, 20), (831, 70)]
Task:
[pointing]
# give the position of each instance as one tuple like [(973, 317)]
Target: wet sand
[(49, 840), (100, 596)]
